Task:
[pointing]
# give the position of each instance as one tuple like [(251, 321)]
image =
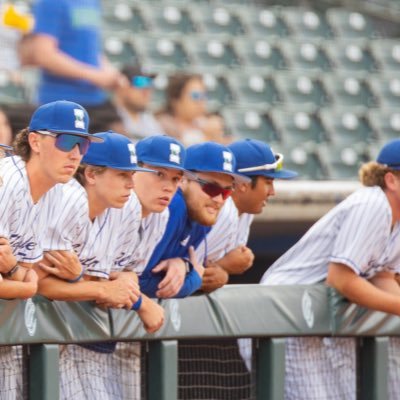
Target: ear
[(242, 187), (90, 175), (34, 142), (391, 181)]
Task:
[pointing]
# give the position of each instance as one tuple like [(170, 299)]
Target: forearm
[(16, 290), (361, 291), (57, 289), (192, 284)]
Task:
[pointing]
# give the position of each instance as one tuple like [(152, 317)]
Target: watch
[(12, 271)]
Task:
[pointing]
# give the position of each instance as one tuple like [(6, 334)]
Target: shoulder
[(13, 175)]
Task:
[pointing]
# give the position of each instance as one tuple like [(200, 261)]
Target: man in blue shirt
[(173, 270)]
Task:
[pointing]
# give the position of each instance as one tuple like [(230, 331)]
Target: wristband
[(12, 271), (188, 265), (136, 306), (75, 279)]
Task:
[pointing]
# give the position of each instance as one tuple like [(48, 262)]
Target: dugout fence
[(179, 361)]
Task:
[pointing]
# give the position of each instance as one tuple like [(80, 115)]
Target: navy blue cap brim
[(119, 168), (163, 165)]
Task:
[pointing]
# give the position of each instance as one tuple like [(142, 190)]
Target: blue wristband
[(76, 279), (136, 306)]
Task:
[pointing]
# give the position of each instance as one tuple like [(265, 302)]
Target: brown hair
[(80, 173), (176, 85), (21, 144), (373, 174)]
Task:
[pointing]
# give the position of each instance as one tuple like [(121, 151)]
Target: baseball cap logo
[(132, 152), (79, 118), (227, 161), (175, 153)]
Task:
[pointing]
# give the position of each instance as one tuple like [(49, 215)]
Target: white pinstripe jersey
[(134, 255), (20, 218), (229, 232), (357, 233)]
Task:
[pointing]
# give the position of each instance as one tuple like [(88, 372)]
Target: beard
[(198, 212)]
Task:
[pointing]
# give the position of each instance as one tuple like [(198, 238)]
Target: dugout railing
[(266, 313)]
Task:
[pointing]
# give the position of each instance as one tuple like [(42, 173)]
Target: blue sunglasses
[(198, 96), (142, 82), (66, 141)]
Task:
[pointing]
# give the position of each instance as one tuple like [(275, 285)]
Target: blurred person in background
[(214, 129), (6, 136), (66, 45), (132, 104), (185, 106)]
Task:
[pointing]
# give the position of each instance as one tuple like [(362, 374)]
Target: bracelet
[(12, 271), (136, 306), (75, 279)]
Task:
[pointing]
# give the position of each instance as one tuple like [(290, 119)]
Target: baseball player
[(108, 206), (354, 248), (193, 211), (47, 153), (227, 252), (166, 156)]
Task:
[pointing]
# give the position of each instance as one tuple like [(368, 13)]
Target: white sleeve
[(364, 229)]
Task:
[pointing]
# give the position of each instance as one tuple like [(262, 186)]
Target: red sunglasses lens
[(215, 190)]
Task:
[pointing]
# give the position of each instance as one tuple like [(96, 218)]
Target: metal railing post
[(162, 376), (43, 372), (270, 369)]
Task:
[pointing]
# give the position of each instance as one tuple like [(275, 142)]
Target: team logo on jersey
[(79, 118), (175, 315), (227, 161), (307, 307), (132, 151), (185, 241), (175, 153), (30, 317)]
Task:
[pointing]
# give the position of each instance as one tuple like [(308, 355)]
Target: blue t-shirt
[(76, 26), (180, 234)]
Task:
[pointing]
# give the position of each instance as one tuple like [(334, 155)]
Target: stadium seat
[(217, 19), (121, 16), (347, 127), (219, 93), (387, 89), (253, 90), (306, 23), (305, 56), (346, 90), (304, 159), (11, 92), (266, 23), (161, 53), (298, 127), (305, 91), (259, 53), (119, 50), (387, 52), (385, 123), (351, 56), (247, 123), (348, 24), (212, 53), (342, 162), (169, 19)]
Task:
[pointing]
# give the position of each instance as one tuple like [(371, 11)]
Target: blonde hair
[(80, 173), (373, 174)]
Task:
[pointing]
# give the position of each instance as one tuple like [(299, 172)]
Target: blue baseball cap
[(161, 151), (115, 151), (254, 158), (62, 117), (390, 154), (213, 157)]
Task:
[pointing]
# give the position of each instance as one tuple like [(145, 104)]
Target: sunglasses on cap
[(66, 141), (198, 96), (5, 151), (277, 165), (213, 189), (142, 82)]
